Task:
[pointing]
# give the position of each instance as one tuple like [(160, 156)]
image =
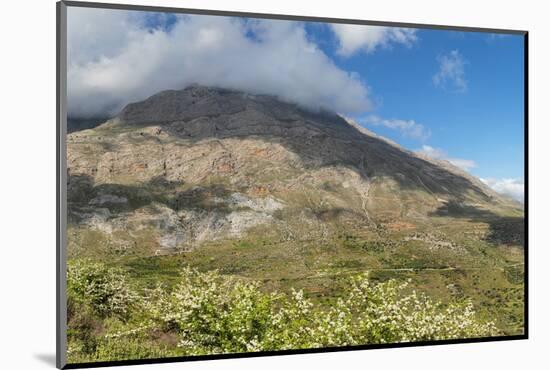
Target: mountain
[(205, 163)]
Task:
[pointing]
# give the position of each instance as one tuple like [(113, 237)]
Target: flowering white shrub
[(207, 313), (215, 314), (104, 290), (382, 313)]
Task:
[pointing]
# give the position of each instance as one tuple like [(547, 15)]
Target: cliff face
[(202, 164)]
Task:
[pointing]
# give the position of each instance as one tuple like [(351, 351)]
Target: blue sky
[(482, 122), (446, 94)]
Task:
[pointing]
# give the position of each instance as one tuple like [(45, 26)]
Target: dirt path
[(403, 269)]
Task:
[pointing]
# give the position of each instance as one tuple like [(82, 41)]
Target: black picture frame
[(61, 176)]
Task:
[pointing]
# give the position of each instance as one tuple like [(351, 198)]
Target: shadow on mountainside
[(370, 156), (119, 198), (503, 230), (79, 124)]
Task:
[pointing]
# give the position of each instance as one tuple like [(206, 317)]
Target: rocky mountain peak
[(200, 101), (204, 111)]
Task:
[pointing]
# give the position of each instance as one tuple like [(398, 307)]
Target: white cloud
[(492, 37), (451, 72), (465, 164), (353, 38), (407, 128), (436, 153), (114, 59), (514, 188)]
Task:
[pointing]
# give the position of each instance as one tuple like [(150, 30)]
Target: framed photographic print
[(235, 184)]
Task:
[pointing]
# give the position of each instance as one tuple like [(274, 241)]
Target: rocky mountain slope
[(186, 167)]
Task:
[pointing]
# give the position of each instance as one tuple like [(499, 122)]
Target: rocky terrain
[(207, 163)]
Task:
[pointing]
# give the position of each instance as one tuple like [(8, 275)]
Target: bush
[(209, 313), (214, 314), (383, 313), (103, 290)]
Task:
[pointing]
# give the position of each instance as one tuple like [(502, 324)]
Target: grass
[(492, 278)]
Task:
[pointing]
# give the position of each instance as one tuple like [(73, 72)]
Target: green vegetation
[(110, 318), (490, 276)]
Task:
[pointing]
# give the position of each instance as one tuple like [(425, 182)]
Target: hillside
[(261, 188)]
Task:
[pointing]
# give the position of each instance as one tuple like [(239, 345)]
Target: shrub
[(383, 313), (209, 313), (103, 290), (214, 314)]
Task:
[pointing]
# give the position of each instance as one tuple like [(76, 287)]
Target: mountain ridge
[(173, 106)]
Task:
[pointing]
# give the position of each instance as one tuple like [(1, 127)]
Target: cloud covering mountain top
[(117, 57)]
